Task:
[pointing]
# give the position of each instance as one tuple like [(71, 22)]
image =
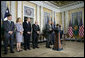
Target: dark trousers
[(35, 40), (10, 39), (26, 41), (52, 38), (48, 41)]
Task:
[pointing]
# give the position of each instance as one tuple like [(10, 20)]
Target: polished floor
[(70, 49)]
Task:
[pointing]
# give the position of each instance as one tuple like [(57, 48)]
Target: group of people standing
[(23, 33)]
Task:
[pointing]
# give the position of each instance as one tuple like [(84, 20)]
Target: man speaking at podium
[(57, 44)]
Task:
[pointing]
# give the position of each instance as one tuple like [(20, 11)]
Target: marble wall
[(16, 9), (3, 8)]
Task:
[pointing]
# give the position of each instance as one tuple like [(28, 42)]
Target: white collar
[(27, 21), (9, 20)]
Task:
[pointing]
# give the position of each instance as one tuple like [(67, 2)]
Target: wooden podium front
[(57, 44)]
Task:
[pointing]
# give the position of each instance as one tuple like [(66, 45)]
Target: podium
[(57, 43)]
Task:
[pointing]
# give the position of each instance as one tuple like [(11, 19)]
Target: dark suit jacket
[(27, 27), (8, 27), (48, 27), (35, 29), (56, 29)]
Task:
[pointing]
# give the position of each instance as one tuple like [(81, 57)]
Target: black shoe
[(48, 47), (5, 53), (37, 47), (25, 49), (12, 52), (18, 51), (21, 50), (29, 48), (33, 47)]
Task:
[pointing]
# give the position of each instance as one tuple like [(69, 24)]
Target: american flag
[(81, 31), (70, 29)]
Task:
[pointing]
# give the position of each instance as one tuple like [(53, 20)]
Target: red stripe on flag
[(70, 31), (81, 31)]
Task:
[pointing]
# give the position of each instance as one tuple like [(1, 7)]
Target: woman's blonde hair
[(18, 19)]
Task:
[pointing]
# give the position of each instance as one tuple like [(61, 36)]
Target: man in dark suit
[(8, 33), (48, 33), (27, 33), (35, 34), (52, 34)]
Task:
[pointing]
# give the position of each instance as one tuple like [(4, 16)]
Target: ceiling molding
[(55, 8), (46, 5), (51, 4), (75, 3), (78, 5)]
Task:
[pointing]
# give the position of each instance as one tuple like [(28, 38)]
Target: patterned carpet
[(70, 49)]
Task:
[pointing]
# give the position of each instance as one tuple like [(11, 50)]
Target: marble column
[(41, 19), (3, 8), (19, 9), (66, 21), (55, 17), (13, 11), (63, 21), (38, 14)]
